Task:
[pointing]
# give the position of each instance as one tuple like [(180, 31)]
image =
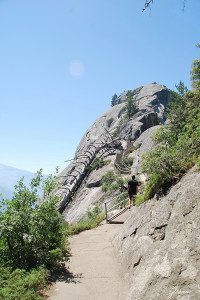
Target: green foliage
[(98, 163), (114, 100), (32, 238), (198, 164), (93, 219), (178, 144), (128, 160), (31, 229), (195, 74), (109, 122), (181, 88), (108, 181), (131, 107), (20, 284), (122, 199), (112, 182)]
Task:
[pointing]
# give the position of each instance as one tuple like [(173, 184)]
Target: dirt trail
[(95, 272)]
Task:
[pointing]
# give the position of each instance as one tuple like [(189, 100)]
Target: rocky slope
[(160, 244), (109, 136)]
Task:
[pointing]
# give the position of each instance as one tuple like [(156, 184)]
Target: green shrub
[(32, 239), (21, 285), (112, 183), (32, 231), (98, 163), (93, 219), (178, 144), (107, 181), (198, 164)]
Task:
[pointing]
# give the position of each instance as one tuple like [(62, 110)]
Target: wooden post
[(106, 213)]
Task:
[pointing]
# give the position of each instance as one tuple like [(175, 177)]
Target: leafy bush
[(32, 232), (32, 239), (20, 284), (93, 219)]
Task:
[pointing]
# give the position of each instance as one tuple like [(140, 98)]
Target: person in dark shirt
[(132, 190)]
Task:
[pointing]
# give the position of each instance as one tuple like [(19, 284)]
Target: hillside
[(158, 244), (9, 177), (108, 139)]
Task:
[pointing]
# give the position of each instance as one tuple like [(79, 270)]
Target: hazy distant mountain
[(9, 177)]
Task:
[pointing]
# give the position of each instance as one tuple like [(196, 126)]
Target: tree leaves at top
[(195, 74), (114, 100), (181, 88)]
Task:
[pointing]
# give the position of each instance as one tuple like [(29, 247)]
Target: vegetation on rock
[(114, 100), (131, 107), (112, 184), (94, 217), (98, 163), (178, 143)]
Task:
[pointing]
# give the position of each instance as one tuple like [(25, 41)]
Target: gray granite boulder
[(160, 244)]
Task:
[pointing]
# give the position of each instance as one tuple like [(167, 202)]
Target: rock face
[(160, 244), (109, 135)]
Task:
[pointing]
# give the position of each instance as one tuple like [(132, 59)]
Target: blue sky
[(62, 60)]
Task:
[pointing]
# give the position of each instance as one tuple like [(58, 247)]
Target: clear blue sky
[(62, 60)]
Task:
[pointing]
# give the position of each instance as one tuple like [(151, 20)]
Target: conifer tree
[(114, 100), (130, 105)]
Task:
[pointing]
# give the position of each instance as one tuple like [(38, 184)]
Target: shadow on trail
[(62, 273), (116, 222)]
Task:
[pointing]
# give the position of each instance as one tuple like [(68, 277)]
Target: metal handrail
[(108, 219)]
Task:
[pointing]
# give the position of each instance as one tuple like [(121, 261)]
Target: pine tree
[(114, 100), (131, 107)]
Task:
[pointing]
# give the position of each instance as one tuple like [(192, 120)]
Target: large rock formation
[(160, 244), (109, 135)]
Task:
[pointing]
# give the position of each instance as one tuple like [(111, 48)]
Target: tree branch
[(147, 4)]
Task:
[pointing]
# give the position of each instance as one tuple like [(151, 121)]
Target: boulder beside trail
[(160, 244)]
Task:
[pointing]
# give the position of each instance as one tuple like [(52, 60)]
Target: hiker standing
[(132, 190)]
